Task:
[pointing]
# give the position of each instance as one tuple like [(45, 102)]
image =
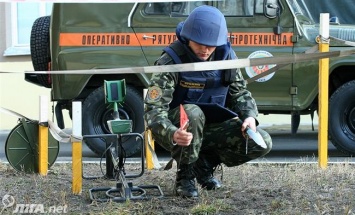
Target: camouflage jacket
[(160, 95)]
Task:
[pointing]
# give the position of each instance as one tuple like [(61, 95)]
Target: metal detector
[(115, 92)]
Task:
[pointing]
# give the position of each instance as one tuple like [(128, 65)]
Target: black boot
[(185, 182), (203, 169)]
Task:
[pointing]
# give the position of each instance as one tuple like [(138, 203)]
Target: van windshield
[(341, 11), (301, 12), (307, 13)]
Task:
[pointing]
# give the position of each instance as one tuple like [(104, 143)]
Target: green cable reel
[(21, 147)]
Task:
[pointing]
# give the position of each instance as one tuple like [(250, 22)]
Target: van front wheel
[(342, 118)]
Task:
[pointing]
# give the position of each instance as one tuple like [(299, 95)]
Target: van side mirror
[(334, 20), (273, 10)]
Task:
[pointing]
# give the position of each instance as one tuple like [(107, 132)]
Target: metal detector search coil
[(120, 126)]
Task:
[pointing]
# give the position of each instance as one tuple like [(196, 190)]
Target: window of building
[(23, 14)]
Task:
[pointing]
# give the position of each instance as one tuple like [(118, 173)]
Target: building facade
[(16, 19)]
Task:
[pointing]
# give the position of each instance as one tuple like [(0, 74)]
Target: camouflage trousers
[(224, 141)]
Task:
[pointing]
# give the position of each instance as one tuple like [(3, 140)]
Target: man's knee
[(195, 114), (267, 139)]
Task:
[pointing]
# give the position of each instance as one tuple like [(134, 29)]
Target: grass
[(248, 189)]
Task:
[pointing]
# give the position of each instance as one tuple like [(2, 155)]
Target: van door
[(252, 36)]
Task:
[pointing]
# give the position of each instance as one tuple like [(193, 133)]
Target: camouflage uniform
[(223, 141)]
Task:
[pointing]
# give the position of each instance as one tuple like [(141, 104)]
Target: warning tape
[(203, 66), (61, 136), (344, 42), (311, 50), (281, 61), (277, 67), (56, 132), (13, 113)]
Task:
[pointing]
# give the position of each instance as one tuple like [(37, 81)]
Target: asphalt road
[(301, 147)]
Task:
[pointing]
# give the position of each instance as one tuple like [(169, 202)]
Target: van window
[(177, 8), (157, 8), (236, 7)]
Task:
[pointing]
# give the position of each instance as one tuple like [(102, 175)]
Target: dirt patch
[(248, 189)]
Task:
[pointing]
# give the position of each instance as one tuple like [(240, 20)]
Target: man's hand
[(250, 122), (182, 137)]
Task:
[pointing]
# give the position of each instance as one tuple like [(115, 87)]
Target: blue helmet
[(205, 25)]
